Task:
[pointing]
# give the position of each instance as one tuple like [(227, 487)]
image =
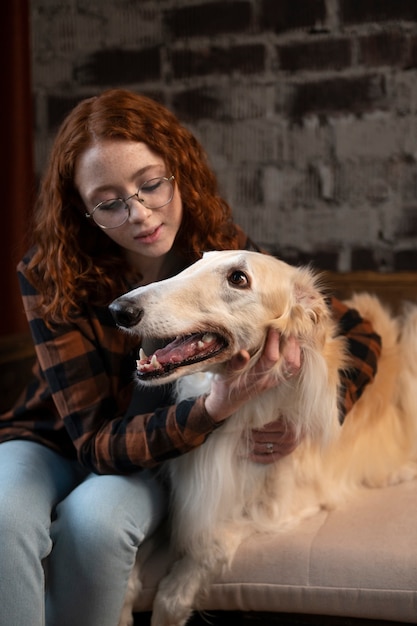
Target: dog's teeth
[(143, 363), (205, 339), (155, 363)]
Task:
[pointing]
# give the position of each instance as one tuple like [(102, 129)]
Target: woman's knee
[(88, 523), (26, 496), (110, 512)]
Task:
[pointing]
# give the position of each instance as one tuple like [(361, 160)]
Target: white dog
[(226, 302)]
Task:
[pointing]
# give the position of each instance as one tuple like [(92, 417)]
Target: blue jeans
[(86, 528)]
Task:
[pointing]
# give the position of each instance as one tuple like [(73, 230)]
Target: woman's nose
[(137, 210)]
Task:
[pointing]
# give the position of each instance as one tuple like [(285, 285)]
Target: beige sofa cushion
[(357, 562)]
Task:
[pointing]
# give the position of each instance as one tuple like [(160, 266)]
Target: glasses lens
[(156, 192), (153, 194), (111, 213)]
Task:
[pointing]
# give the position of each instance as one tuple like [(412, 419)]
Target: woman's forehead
[(121, 160)]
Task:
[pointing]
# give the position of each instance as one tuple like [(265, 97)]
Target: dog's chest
[(193, 385)]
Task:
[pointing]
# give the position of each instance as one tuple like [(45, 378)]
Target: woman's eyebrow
[(140, 172)]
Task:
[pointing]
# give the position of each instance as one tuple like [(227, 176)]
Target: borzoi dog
[(226, 302)]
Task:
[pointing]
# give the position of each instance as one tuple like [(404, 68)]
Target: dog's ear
[(307, 306), (308, 299)]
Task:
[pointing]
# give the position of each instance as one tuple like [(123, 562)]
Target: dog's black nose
[(125, 312)]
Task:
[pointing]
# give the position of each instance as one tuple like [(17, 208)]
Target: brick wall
[(307, 108)]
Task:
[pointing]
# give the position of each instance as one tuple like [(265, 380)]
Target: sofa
[(353, 565)]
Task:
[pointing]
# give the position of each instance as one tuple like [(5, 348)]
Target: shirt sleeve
[(364, 346), (81, 363)]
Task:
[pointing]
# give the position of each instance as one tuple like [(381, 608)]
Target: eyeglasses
[(153, 194)]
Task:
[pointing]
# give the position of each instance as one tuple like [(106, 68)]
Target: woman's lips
[(149, 236)]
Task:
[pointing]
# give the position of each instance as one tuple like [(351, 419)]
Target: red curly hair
[(74, 261)]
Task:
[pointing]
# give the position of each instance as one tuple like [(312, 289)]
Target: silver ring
[(269, 447)]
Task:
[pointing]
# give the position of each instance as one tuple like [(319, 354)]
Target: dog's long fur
[(218, 495)]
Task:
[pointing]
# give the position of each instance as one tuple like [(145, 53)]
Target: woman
[(127, 198)]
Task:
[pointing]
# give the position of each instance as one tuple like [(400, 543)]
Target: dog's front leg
[(179, 591), (174, 602), (133, 588)]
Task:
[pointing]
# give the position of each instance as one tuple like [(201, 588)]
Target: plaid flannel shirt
[(83, 401)]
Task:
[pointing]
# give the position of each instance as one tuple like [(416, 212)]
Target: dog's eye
[(237, 278)]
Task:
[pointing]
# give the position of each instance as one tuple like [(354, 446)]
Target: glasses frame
[(168, 179)]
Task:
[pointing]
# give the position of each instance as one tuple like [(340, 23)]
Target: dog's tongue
[(178, 351)]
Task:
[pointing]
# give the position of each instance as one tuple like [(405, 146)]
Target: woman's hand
[(272, 442), (277, 439), (224, 398)]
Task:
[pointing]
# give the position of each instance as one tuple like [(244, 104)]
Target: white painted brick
[(409, 145), (376, 135), (402, 92), (309, 141)]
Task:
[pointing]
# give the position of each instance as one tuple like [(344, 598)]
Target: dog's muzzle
[(125, 312)]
